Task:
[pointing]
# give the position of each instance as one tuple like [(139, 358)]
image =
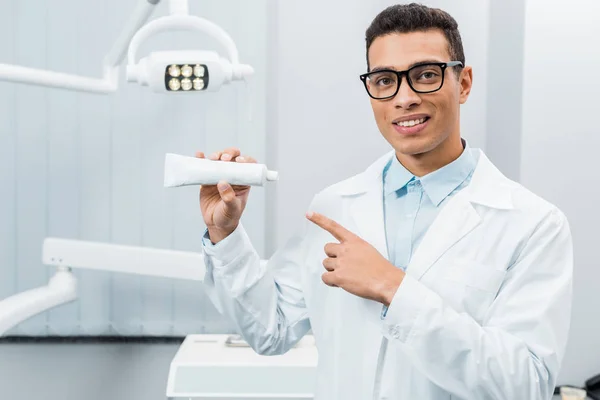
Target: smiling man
[(428, 276)]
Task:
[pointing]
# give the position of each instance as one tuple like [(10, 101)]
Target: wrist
[(217, 234), (390, 285)]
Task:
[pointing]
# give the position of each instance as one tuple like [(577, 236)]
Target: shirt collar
[(395, 176), (437, 184)]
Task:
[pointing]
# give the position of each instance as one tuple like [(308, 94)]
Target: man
[(428, 276)]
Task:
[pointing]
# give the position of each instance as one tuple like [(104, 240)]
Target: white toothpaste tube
[(185, 171)]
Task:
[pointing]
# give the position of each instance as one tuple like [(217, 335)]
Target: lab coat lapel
[(488, 187), (367, 212), (454, 221)]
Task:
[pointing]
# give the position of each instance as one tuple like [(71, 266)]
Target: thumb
[(227, 193)]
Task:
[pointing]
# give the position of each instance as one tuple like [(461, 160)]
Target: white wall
[(320, 125), (504, 108), (321, 129), (560, 143)]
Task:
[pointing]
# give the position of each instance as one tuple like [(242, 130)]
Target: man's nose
[(406, 97)]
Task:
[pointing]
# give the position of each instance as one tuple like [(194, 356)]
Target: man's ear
[(466, 82)]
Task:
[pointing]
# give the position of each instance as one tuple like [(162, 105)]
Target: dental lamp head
[(188, 71)]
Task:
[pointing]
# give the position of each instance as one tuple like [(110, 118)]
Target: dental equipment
[(165, 72), (65, 254), (207, 367), (204, 365), (184, 171)]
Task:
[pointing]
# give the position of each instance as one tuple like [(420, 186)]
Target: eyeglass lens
[(422, 78)]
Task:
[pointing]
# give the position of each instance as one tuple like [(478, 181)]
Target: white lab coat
[(483, 312)]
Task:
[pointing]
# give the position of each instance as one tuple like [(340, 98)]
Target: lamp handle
[(182, 22)]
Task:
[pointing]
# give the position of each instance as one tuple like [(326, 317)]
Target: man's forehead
[(403, 50), (405, 66)]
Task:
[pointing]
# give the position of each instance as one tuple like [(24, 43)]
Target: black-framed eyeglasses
[(422, 78)]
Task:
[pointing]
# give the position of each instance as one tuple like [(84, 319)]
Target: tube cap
[(272, 175)]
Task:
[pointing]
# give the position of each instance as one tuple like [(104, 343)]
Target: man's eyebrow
[(383, 67)]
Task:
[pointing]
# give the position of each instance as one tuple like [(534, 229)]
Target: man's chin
[(412, 146)]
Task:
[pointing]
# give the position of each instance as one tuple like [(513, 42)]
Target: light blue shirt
[(412, 203)]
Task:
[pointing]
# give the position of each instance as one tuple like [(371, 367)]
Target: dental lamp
[(164, 72)]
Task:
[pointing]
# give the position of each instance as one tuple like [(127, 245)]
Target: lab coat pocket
[(475, 286)]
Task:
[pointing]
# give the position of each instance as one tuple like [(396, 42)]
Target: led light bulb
[(186, 84), (174, 71), (199, 70), (186, 71), (174, 84), (198, 84)]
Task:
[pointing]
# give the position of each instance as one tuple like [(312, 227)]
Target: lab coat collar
[(488, 186)]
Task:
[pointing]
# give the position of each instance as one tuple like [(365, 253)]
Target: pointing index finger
[(337, 230)]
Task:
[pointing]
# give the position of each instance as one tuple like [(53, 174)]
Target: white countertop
[(211, 350), (206, 368)]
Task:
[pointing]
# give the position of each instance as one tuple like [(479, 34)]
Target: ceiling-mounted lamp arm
[(109, 81), (138, 18), (42, 77)]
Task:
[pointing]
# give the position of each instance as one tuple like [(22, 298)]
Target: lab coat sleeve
[(264, 300), (517, 351)]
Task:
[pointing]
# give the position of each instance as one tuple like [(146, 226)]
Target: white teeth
[(411, 122)]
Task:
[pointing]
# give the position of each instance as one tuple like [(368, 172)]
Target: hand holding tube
[(222, 205)]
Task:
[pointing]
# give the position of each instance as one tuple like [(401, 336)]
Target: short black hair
[(406, 18)]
